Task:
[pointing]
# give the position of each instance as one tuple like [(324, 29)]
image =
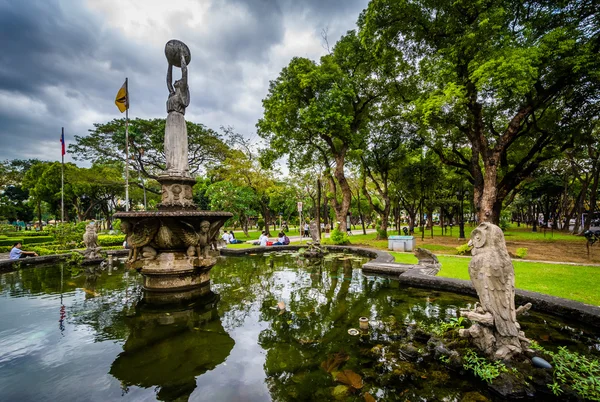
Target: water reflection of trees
[(323, 300)]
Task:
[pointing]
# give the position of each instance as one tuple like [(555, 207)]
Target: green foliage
[(10, 242), (75, 259), (463, 249), (261, 224), (116, 224), (111, 240), (577, 372), (68, 234), (482, 367), (442, 327), (106, 143), (522, 252), (338, 237)]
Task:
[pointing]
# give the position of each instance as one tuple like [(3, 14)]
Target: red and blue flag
[(62, 141)]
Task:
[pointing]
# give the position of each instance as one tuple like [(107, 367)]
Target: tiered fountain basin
[(174, 250)]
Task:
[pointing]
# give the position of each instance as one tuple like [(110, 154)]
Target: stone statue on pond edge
[(495, 330)]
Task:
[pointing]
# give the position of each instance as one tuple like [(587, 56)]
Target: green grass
[(513, 233), (575, 282), (255, 234)]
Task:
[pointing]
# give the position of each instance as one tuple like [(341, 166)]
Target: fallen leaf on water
[(238, 289), (333, 361), (349, 377), (289, 322), (281, 305), (368, 397)]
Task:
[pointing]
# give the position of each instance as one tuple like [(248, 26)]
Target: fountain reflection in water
[(170, 345)]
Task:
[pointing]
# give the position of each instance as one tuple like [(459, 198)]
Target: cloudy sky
[(62, 61)]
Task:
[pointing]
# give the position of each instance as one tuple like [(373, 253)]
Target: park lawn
[(513, 233), (255, 234), (575, 282)]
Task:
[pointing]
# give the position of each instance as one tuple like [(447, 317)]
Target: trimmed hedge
[(111, 240), (26, 233), (26, 240)]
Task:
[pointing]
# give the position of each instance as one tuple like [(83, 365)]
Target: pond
[(273, 328)]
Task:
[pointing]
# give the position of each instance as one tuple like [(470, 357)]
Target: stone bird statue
[(497, 331)]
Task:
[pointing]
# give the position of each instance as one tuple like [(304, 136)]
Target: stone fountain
[(174, 248)]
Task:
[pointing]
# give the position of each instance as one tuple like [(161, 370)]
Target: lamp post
[(461, 196)]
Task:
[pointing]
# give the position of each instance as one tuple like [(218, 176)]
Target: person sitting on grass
[(232, 238), (263, 239), (280, 239), (17, 253), (225, 237)]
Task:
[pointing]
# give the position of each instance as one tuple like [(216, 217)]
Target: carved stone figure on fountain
[(139, 235), (199, 241), (495, 330)]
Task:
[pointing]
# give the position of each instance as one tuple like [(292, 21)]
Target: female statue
[(176, 141)]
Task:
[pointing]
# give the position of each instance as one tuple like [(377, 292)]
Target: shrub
[(68, 234), (10, 242), (522, 252), (111, 240), (37, 239), (338, 237), (116, 224), (261, 224), (463, 249)]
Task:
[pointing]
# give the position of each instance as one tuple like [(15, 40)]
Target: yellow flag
[(122, 99)]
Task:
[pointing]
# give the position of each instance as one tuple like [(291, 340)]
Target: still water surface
[(88, 335)]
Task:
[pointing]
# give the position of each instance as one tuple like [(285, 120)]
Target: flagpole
[(126, 147), (62, 178)]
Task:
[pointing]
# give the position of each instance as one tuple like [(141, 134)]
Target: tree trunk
[(593, 198), (318, 206), (341, 209), (487, 210)]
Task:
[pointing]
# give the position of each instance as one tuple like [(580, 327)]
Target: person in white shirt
[(263, 239), (225, 237)]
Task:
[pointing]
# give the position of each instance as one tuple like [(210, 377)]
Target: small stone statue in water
[(496, 330), (176, 141), (90, 239)]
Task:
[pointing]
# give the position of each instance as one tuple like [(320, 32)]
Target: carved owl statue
[(493, 277)]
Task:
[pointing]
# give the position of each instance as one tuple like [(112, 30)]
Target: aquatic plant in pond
[(245, 345)]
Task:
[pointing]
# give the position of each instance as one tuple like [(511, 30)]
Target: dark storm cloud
[(61, 63)]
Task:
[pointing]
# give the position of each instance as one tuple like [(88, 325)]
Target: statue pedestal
[(174, 271)]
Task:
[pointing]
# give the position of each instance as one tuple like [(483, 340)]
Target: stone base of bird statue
[(495, 330)]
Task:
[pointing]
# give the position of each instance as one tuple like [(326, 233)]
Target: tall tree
[(506, 84), (319, 111)]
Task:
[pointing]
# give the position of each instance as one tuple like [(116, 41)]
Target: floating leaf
[(368, 397), (238, 289), (333, 361), (349, 377)]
